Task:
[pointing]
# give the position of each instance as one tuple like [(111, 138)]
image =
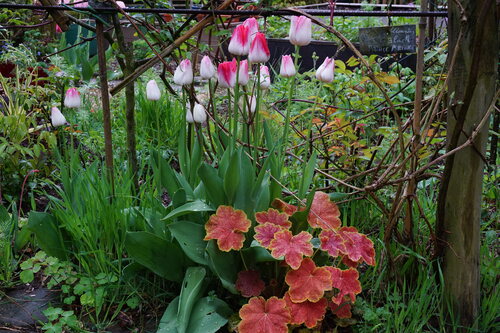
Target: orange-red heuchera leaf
[(324, 213), (358, 247), (342, 310), (249, 283), (261, 316), (284, 207), (292, 247), (264, 233), (308, 313), (346, 281), (332, 242), (227, 226), (348, 262), (347, 241), (308, 283), (273, 216)]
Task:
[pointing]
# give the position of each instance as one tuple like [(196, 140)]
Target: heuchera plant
[(309, 290)]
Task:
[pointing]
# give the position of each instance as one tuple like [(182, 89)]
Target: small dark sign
[(383, 40)]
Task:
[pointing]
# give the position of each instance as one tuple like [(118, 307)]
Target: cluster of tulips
[(246, 41)]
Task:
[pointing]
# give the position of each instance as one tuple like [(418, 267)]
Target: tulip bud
[(253, 27), (152, 91), (121, 4), (325, 72), (226, 73), (243, 75), (72, 98), (199, 114), (189, 116), (207, 69), (259, 52), (300, 30), (265, 78), (240, 41), (287, 68), (183, 74), (58, 29), (56, 117), (252, 101)]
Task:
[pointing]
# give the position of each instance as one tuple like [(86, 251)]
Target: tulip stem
[(308, 151), (257, 119), (291, 85), (236, 102)]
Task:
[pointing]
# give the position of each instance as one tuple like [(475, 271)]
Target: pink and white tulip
[(56, 117), (253, 27), (259, 51), (207, 68), (72, 98), (121, 4), (153, 92), (243, 74), (183, 74), (325, 72), (287, 68), (240, 41), (199, 114), (226, 74), (300, 30), (265, 77)]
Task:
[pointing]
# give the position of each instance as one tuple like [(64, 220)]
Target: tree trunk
[(471, 90)]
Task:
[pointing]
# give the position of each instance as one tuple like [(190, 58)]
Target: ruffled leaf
[(227, 226), (308, 282), (343, 310), (273, 216), (264, 233), (332, 242), (349, 242), (292, 247), (249, 283), (359, 248), (346, 281), (261, 316), (284, 207), (308, 313), (324, 213)]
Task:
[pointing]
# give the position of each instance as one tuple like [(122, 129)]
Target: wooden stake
[(106, 113)]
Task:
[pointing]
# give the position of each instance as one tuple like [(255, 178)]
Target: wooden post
[(106, 113)]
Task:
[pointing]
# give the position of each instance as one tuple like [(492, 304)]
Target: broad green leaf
[(168, 322), (224, 265), (208, 315), (190, 293), (256, 254), (213, 185), (157, 254), (232, 177), (190, 207), (48, 235), (307, 176), (195, 163), (190, 237)]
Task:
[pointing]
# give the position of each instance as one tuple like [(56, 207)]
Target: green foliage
[(23, 142), (13, 237), (189, 312), (61, 321)]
